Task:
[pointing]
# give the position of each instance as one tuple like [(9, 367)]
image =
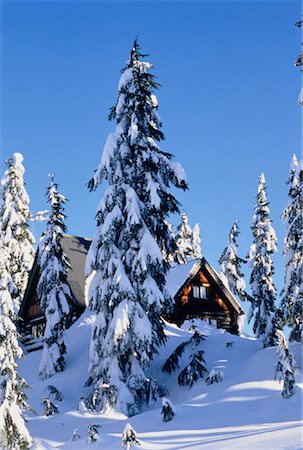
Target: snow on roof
[(179, 274)]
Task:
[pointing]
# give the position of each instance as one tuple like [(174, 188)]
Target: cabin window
[(199, 292)]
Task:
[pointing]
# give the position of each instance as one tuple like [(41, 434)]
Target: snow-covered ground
[(245, 411)]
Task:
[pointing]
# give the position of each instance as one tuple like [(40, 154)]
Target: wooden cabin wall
[(213, 308)]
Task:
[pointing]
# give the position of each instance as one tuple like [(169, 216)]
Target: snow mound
[(245, 410)]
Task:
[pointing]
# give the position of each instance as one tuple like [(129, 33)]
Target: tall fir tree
[(125, 264), (14, 221), (52, 288), (291, 308), (231, 264), (263, 291), (188, 241), (184, 241), (13, 432)]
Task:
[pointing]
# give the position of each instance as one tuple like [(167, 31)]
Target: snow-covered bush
[(13, 432), (126, 262), (194, 370), (52, 288), (167, 410), (14, 222), (214, 377), (76, 435), (129, 437), (49, 408), (93, 434), (291, 309), (263, 291), (82, 407), (285, 367)]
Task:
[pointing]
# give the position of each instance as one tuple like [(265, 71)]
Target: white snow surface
[(244, 411)]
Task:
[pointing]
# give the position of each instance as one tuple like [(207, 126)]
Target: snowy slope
[(245, 411)]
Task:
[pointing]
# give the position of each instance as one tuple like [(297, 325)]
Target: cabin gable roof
[(189, 275), (76, 249)]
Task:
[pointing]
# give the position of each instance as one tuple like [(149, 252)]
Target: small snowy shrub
[(129, 437), (93, 433), (76, 436), (167, 410), (229, 344), (102, 397), (49, 408), (82, 405), (51, 390), (214, 377), (194, 370)]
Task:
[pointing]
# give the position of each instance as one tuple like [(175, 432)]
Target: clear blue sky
[(228, 100)]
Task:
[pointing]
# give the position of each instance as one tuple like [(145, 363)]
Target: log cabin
[(196, 288), (199, 292)]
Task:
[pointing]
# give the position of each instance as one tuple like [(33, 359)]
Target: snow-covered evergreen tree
[(13, 432), (184, 241), (167, 410), (291, 308), (285, 367), (129, 437), (263, 291), (125, 262), (231, 263), (197, 242), (52, 288), (14, 221)]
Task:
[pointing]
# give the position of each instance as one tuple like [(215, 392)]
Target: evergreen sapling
[(129, 437)]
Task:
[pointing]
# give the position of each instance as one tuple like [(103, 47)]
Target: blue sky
[(228, 101)]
